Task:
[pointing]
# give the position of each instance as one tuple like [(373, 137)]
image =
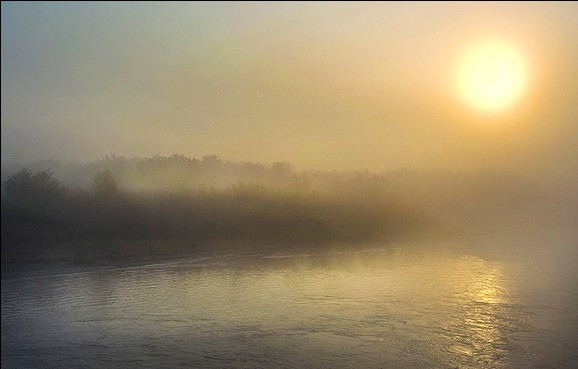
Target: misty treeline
[(118, 206)]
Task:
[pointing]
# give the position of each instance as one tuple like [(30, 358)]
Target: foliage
[(209, 200), (25, 186), (104, 184), (242, 212)]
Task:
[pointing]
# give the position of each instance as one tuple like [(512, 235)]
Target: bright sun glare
[(492, 77)]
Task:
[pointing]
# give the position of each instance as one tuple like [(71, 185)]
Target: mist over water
[(209, 263), (395, 308), (176, 204), (354, 185)]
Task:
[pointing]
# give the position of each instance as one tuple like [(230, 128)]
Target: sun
[(492, 77)]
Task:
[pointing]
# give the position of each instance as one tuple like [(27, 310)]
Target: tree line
[(43, 219)]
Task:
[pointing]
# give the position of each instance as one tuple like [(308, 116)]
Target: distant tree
[(282, 168), (104, 184), (211, 161), (25, 186)]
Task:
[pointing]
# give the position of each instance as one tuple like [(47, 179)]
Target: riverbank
[(153, 252), (87, 256)]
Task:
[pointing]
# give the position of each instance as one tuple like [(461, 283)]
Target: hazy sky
[(322, 85)]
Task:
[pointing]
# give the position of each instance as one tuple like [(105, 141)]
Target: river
[(382, 308)]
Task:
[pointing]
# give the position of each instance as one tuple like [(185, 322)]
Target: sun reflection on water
[(480, 315), (351, 311)]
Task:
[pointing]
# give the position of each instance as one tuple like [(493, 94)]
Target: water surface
[(378, 309)]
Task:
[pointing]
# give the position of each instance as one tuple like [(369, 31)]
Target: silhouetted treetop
[(23, 185), (104, 184)]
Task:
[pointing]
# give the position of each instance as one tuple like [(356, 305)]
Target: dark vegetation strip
[(44, 220)]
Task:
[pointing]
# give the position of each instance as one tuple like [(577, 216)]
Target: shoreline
[(217, 251), (11, 270)]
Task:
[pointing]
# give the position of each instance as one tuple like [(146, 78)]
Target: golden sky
[(321, 85)]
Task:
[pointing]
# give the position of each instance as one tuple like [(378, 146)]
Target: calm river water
[(376, 309)]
